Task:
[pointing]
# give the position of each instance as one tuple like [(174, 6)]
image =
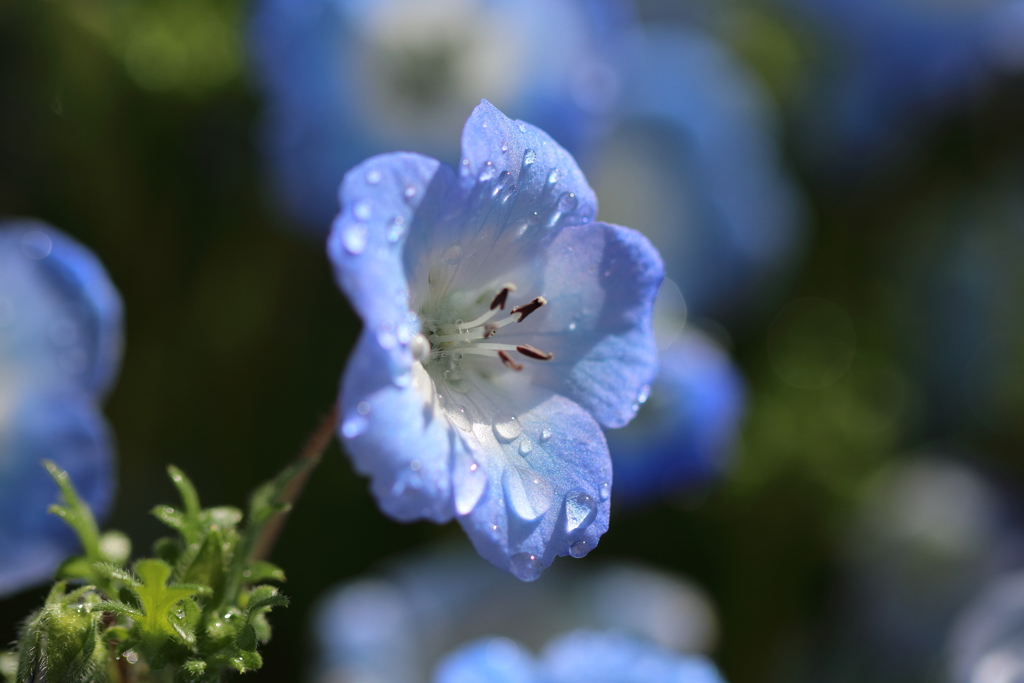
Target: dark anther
[(490, 331), (509, 363), (527, 309), (533, 352), (500, 297)]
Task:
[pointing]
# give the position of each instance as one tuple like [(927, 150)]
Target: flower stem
[(310, 455)]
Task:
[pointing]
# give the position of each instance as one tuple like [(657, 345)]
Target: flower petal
[(600, 282), (517, 189), (397, 433), (380, 199), (683, 436), (60, 315), (68, 429), (489, 660), (548, 478), (609, 657)]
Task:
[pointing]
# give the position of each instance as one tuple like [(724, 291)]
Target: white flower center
[(448, 337)]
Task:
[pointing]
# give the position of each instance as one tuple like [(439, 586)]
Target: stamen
[(509, 363), (527, 309), (502, 296), (533, 352)]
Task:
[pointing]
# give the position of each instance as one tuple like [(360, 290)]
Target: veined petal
[(517, 189), (398, 434), (380, 199), (64, 427), (548, 477), (60, 315), (600, 282)]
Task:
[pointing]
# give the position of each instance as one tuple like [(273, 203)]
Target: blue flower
[(502, 328), (986, 644), (694, 163), (395, 627), (60, 351), (899, 63), (345, 79), (686, 431), (577, 657)]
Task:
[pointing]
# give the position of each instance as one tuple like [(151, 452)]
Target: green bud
[(62, 640)]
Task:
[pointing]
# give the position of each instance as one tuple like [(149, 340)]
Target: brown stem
[(312, 453)]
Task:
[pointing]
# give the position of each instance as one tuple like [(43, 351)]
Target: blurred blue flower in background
[(458, 408), (577, 657), (685, 432), (397, 627), (986, 644), (893, 65), (930, 534), (60, 351), (346, 79), (694, 163)]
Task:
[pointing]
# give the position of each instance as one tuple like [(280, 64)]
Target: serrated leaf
[(74, 511), (263, 571), (157, 599), (186, 490), (246, 661)]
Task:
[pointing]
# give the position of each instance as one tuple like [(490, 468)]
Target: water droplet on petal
[(529, 157), (645, 393), (363, 408), (410, 191), (572, 326), (419, 347), (488, 172), (373, 176), (363, 210), (354, 238), (465, 162), (386, 340), (580, 511), (504, 146), (522, 127), (525, 447), (469, 483), (527, 492), (396, 229), (545, 435), (526, 566), (579, 549), (506, 428), (604, 491), (567, 202), (553, 176), (353, 426)]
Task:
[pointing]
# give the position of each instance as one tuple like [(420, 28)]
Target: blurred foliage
[(129, 124)]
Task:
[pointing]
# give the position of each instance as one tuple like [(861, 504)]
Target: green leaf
[(187, 492), (247, 661), (170, 516), (118, 608), (74, 511), (207, 568), (113, 571), (157, 599), (246, 639), (263, 599), (263, 571)]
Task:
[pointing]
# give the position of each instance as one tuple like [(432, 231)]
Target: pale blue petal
[(685, 432), (600, 281), (396, 432), (380, 199), (609, 657), (68, 429), (548, 479), (517, 190), (60, 315), (490, 660)]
